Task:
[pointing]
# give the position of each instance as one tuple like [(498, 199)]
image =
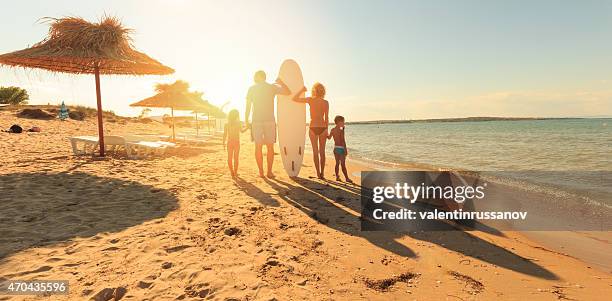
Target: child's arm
[(297, 97), (331, 134), (244, 129)]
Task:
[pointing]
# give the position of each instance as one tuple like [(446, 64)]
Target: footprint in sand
[(144, 284), (166, 265), (383, 285), (177, 248), (54, 259), (200, 290), (110, 293), (39, 270), (111, 249)]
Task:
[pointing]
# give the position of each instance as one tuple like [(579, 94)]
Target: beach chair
[(150, 137), (142, 149), (90, 145), (114, 143), (148, 145)]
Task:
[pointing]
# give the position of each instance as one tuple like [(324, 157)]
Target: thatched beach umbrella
[(174, 100), (206, 107), (196, 112), (81, 47)]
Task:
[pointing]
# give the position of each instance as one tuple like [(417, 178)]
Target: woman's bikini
[(316, 130)]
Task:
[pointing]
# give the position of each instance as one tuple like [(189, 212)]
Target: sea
[(573, 156)]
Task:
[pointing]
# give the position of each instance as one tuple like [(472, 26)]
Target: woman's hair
[(318, 90), (233, 116)]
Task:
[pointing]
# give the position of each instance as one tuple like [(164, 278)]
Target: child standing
[(231, 135), (340, 150)]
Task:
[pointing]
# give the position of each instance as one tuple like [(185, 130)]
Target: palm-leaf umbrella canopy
[(174, 100), (175, 96), (77, 46), (206, 107), (211, 110)]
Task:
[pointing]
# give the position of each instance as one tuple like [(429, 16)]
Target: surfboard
[(291, 119)]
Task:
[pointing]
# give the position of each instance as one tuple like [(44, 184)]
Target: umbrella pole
[(173, 135), (197, 125), (99, 99)]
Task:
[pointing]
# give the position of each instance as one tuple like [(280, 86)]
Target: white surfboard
[(291, 119)]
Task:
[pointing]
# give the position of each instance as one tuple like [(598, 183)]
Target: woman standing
[(319, 119)]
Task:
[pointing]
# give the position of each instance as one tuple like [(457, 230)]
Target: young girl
[(231, 134), (340, 150), (319, 110)]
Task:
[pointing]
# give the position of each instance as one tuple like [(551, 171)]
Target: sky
[(377, 59)]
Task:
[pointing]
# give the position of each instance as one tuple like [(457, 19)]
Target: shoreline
[(591, 247)]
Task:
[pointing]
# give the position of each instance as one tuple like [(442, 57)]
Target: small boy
[(340, 150)]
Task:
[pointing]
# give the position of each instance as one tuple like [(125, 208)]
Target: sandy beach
[(179, 227)]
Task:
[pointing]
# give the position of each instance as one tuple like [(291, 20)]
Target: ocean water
[(572, 154), (544, 145)]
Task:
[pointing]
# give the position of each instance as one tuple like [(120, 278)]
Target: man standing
[(263, 129)]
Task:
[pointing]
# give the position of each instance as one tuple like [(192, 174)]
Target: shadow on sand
[(314, 199), (256, 193), (38, 209), (320, 201)]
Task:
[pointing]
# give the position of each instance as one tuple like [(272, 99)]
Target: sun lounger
[(90, 144), (150, 137), (148, 145), (134, 146), (160, 139), (147, 148), (113, 143)]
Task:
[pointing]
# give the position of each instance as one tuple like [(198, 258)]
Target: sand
[(179, 227)]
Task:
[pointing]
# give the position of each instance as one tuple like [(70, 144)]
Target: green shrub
[(13, 95)]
